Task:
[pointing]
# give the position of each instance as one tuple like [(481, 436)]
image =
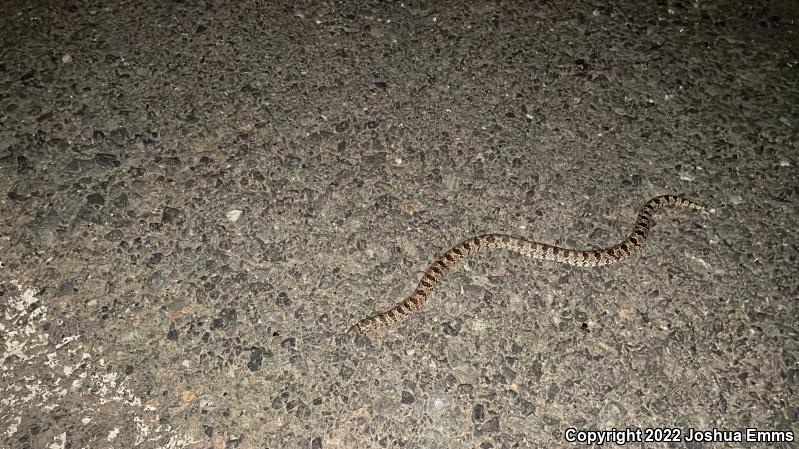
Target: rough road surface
[(199, 198)]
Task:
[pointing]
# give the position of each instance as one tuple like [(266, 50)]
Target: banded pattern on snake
[(529, 248)]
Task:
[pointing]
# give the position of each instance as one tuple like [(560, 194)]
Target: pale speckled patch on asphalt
[(53, 376)]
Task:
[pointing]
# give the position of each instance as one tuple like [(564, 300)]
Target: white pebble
[(234, 215)]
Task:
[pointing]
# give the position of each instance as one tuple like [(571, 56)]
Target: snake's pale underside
[(529, 248)]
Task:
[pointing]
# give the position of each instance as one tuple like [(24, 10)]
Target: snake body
[(529, 248)]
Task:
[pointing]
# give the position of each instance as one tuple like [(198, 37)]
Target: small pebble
[(234, 215)]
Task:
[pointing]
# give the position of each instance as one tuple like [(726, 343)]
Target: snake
[(529, 248)]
